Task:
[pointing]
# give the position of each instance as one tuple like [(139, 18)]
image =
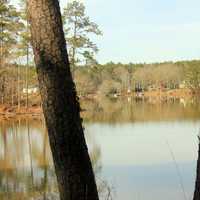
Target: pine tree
[(78, 28), (25, 35), (10, 27)]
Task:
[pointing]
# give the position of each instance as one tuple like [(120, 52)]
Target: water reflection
[(128, 109), (26, 167), (140, 150), (26, 164)]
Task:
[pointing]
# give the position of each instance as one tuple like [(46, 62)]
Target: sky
[(145, 30)]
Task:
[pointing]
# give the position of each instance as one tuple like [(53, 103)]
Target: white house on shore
[(30, 90)]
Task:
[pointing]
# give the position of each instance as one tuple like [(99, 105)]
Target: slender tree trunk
[(1, 46), (27, 77), (60, 104), (1, 60), (197, 184), (18, 88), (27, 64), (12, 93)]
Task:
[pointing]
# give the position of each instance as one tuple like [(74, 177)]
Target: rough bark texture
[(60, 104), (197, 184)]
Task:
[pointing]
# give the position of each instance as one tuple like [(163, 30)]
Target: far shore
[(8, 111)]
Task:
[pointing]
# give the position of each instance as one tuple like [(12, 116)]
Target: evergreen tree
[(78, 28), (25, 35), (10, 27)]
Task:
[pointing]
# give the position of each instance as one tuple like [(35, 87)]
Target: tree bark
[(197, 184), (60, 103)]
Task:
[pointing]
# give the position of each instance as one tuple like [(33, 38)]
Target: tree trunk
[(27, 75), (18, 87), (60, 104), (197, 184)]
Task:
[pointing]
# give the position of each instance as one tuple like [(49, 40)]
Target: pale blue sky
[(146, 30)]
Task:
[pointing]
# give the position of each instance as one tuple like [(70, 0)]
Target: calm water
[(142, 150)]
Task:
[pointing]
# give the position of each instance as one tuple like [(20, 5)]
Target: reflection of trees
[(30, 153), (26, 167), (126, 110), (104, 188), (19, 158)]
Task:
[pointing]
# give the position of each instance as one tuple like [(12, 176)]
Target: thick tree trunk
[(197, 184), (60, 104)]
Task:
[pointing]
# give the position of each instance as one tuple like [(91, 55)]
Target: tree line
[(106, 80), (117, 78)]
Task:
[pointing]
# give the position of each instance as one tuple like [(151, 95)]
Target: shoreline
[(8, 111)]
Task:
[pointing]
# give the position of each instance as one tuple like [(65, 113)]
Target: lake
[(142, 149)]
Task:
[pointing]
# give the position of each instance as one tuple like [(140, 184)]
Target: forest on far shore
[(106, 80)]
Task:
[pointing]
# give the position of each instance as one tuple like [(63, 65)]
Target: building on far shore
[(30, 90)]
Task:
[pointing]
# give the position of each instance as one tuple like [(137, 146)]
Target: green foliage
[(78, 29), (10, 27), (24, 44)]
